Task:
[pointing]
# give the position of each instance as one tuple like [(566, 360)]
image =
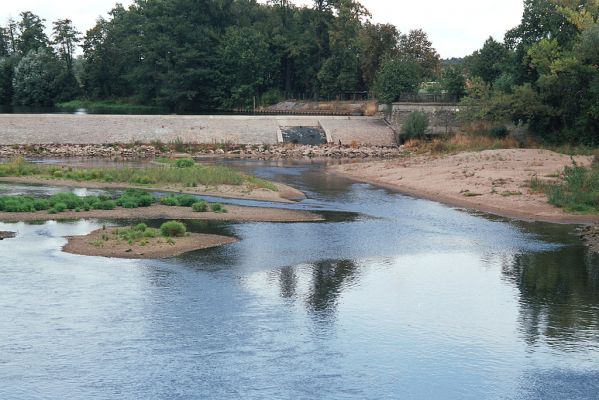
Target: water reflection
[(559, 295)]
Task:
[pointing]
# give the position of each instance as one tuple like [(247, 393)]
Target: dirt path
[(234, 213), (493, 181)]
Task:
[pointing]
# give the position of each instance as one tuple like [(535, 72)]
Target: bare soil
[(234, 213), (493, 181), (94, 244)]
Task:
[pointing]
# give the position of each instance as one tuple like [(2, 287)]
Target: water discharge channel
[(392, 297)]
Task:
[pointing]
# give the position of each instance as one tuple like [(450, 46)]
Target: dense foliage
[(545, 74), (187, 55)]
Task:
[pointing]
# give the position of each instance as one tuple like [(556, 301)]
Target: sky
[(456, 27)]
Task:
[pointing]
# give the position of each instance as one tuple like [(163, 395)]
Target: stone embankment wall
[(100, 129), (442, 117)]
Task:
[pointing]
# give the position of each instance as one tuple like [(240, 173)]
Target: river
[(392, 297)]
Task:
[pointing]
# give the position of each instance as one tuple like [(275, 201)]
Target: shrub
[(173, 229), (415, 125), (105, 205), (499, 132), (185, 163), (134, 198), (217, 208), (41, 204), (140, 227), (185, 200), (169, 201), (59, 207), (200, 206)]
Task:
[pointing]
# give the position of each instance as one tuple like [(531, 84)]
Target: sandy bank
[(285, 194), (493, 181), (235, 213), (94, 244)]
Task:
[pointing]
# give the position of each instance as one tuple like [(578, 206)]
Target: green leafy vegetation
[(160, 175), (218, 208), (543, 76), (141, 234), (222, 55), (415, 125), (173, 229), (200, 206), (577, 191), (69, 201)]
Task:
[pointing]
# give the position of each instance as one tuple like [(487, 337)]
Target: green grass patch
[(191, 176), (577, 192)]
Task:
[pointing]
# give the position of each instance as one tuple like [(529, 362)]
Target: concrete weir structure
[(98, 129)]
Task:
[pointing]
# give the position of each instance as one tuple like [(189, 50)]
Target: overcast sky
[(456, 28)]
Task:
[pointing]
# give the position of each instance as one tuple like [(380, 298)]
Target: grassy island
[(141, 241)]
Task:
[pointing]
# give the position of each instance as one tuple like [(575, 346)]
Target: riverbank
[(234, 214), (105, 243), (492, 181), (284, 193), (199, 150)]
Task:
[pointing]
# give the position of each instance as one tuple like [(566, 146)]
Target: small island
[(143, 242)]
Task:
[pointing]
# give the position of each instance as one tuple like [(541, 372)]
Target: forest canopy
[(208, 54)]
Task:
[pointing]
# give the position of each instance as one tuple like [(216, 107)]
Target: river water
[(392, 297)]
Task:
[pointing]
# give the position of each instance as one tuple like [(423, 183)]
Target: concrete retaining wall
[(95, 129), (442, 117)]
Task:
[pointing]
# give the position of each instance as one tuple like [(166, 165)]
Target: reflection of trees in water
[(320, 284), (559, 294), (329, 278)]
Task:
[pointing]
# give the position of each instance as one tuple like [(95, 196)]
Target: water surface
[(405, 299)]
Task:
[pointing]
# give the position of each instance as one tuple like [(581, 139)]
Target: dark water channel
[(408, 300)]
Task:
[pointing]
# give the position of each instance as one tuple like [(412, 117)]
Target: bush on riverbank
[(578, 191), (173, 229)]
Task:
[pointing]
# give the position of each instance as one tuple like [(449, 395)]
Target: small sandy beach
[(493, 181)]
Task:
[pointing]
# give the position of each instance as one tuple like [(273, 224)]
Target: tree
[(341, 71), (395, 77), (415, 45), (245, 64), (31, 35), (6, 76), (65, 37), (489, 62), (453, 82), (34, 79), (377, 42)]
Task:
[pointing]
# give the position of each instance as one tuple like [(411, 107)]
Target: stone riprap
[(100, 129)]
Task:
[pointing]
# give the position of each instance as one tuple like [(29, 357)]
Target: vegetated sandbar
[(284, 193), (492, 181), (93, 244), (234, 213)]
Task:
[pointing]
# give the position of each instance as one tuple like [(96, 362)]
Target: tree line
[(544, 74), (208, 54)]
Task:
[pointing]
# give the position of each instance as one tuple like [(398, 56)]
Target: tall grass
[(578, 191), (195, 175), (460, 142)]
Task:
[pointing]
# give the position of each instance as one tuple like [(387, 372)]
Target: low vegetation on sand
[(576, 190), (185, 174), (141, 234), (132, 198)]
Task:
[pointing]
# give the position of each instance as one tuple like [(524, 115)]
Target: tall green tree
[(31, 35), (377, 43), (416, 46), (66, 38), (490, 61), (35, 79)]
